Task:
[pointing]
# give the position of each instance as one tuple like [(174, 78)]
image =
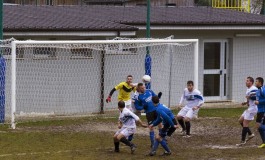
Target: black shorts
[(260, 117), (150, 117), (167, 130)]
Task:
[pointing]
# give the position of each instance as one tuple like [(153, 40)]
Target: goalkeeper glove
[(159, 94), (108, 99)]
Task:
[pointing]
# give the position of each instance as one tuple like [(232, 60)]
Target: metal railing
[(239, 5)]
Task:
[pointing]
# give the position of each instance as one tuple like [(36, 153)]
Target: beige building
[(231, 47)]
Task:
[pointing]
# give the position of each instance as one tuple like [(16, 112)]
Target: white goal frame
[(161, 41)]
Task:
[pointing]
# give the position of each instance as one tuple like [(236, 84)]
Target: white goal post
[(42, 76)]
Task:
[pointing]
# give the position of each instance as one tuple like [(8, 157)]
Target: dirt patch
[(211, 138)]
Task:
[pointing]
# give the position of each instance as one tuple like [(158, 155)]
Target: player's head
[(190, 85), (129, 79), (121, 105), (155, 100), (249, 81), (259, 82), (141, 87)]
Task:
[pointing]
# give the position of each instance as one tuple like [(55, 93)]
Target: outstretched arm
[(157, 121), (141, 123), (110, 94)]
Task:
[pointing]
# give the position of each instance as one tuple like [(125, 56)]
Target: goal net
[(75, 77)]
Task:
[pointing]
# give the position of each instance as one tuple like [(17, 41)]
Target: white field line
[(39, 153), (229, 146)]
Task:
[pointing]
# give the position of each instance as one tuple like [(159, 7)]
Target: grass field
[(214, 136)]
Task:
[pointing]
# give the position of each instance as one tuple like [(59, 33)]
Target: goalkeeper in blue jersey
[(170, 124), (143, 101)]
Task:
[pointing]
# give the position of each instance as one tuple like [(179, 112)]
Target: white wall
[(248, 60), (65, 86)]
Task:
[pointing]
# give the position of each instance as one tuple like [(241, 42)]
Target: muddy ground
[(212, 138)]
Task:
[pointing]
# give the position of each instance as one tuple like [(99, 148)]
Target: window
[(6, 52), (77, 53), (121, 50), (49, 2), (44, 53)]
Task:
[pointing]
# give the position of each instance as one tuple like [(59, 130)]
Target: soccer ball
[(146, 79)]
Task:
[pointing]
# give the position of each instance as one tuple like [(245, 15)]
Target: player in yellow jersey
[(125, 89)]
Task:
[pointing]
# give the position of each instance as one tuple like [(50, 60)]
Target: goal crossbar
[(33, 42)]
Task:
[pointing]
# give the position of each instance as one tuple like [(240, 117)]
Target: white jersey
[(193, 98), (135, 96), (128, 118), (251, 93)]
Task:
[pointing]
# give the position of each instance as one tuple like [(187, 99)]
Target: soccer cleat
[(187, 136), (183, 132), (166, 154), (133, 148), (250, 137), (241, 143), (117, 150), (152, 153), (262, 145)]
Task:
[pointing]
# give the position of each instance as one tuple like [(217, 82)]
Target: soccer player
[(260, 101), (194, 102), (169, 126), (125, 89), (143, 101), (248, 114), (126, 127)]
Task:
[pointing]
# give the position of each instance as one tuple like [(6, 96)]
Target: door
[(215, 70)]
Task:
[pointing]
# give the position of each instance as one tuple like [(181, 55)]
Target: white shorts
[(186, 112), (126, 131), (249, 114)]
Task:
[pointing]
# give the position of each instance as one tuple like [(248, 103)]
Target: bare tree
[(256, 6)]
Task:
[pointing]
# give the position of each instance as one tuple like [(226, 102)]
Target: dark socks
[(117, 144), (181, 122), (244, 133), (249, 131), (187, 128), (126, 142)]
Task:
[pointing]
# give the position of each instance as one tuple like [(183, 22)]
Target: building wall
[(245, 56), (98, 2), (248, 60), (163, 2)]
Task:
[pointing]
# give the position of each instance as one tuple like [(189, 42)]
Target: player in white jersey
[(250, 112), (194, 102), (126, 127)]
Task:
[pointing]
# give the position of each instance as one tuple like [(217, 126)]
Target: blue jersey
[(164, 115), (261, 98), (144, 101)]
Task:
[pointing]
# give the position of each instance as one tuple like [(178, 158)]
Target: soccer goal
[(74, 77)]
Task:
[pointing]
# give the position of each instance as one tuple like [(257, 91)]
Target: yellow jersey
[(124, 91)]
